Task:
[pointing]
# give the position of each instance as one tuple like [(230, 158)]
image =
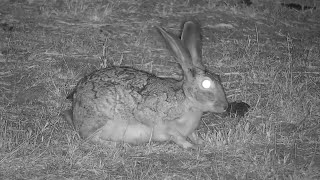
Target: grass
[(267, 56)]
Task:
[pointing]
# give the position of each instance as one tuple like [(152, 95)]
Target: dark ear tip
[(192, 20), (194, 23)]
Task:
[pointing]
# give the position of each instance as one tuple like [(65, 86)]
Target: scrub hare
[(123, 104)]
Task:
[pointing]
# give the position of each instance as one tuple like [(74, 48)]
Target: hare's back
[(116, 76), (126, 78)]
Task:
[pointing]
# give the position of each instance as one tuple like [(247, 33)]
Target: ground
[(267, 54)]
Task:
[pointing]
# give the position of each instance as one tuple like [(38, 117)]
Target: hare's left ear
[(181, 53), (191, 38)]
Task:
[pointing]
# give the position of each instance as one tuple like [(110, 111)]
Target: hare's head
[(203, 88)]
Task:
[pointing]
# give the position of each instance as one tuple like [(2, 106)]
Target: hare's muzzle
[(221, 105)]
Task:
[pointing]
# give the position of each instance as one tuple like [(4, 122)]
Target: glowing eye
[(206, 84)]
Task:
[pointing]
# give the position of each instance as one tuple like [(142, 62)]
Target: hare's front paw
[(185, 144), (181, 140), (196, 139)]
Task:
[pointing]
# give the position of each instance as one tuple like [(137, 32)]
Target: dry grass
[(267, 55)]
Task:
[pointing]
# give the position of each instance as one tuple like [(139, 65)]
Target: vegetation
[(267, 55)]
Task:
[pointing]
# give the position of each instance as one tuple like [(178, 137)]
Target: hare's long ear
[(191, 38), (181, 53)]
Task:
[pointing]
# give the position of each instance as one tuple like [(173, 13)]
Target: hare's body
[(131, 106), (127, 105)]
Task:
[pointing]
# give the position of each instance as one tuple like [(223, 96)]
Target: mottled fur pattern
[(123, 104)]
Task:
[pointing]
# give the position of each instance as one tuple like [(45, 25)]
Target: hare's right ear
[(180, 52), (191, 38)]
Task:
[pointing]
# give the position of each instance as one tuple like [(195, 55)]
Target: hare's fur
[(123, 104)]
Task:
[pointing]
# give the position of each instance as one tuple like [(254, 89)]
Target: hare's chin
[(218, 109)]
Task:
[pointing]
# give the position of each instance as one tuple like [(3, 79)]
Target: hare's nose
[(223, 106)]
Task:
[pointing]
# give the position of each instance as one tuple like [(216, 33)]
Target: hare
[(123, 104)]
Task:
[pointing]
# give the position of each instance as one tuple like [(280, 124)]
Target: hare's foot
[(180, 140), (196, 139)]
